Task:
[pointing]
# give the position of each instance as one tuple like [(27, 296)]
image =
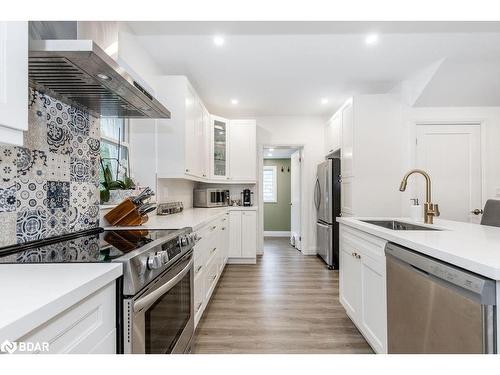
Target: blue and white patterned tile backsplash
[(50, 186)]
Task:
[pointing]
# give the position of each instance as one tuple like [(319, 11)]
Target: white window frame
[(274, 170), (124, 143)]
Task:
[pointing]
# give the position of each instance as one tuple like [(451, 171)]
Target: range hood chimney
[(77, 70)]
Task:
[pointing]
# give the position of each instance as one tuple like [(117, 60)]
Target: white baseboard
[(241, 261), (268, 233), (309, 252)]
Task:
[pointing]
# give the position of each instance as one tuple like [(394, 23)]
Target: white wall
[(489, 117), (175, 190), (296, 131)]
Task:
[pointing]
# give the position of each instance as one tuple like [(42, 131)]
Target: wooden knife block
[(125, 214)]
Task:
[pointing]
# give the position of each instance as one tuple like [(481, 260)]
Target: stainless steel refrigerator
[(327, 202)]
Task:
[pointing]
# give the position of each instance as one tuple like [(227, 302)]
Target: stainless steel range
[(155, 295)]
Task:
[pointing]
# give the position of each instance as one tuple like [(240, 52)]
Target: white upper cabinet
[(219, 151), (370, 137), (195, 145), (347, 145), (191, 166), (181, 140), (333, 132), (13, 81), (243, 150)]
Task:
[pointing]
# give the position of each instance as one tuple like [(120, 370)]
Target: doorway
[(281, 194), (451, 154)]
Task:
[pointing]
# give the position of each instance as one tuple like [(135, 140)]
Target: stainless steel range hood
[(80, 73)]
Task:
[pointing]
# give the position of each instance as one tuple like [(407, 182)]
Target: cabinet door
[(347, 148), (13, 81), (206, 145), (190, 150), (219, 148), (373, 296), (346, 194), (199, 157), (350, 280), (249, 234), (235, 234), (332, 136), (243, 150), (199, 296), (224, 238)]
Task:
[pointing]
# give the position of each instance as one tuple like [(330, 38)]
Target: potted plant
[(115, 191)]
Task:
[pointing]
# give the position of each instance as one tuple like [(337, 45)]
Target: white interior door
[(451, 154), (295, 197)]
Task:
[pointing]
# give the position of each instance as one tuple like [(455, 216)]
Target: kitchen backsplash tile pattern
[(50, 186)]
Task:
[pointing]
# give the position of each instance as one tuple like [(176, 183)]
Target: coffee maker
[(247, 197)]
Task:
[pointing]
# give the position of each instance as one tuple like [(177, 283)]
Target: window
[(115, 147), (270, 184)]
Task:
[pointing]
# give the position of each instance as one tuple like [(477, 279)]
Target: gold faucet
[(430, 209)]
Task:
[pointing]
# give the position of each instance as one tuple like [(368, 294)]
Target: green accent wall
[(277, 215)]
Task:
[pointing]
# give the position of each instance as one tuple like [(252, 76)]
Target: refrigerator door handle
[(317, 194)]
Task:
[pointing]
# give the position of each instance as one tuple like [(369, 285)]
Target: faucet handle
[(434, 209)]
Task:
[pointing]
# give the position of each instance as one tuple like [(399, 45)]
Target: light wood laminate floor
[(286, 303)]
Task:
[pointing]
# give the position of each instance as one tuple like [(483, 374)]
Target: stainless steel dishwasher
[(434, 307)]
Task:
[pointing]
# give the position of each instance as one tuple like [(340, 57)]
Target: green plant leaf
[(104, 195), (116, 185)]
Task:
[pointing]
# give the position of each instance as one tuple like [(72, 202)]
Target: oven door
[(160, 320)]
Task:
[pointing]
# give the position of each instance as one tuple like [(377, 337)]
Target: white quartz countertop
[(470, 246), (32, 294), (191, 217)]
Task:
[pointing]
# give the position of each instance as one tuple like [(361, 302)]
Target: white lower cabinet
[(242, 236), (87, 327), (362, 284), (210, 257)]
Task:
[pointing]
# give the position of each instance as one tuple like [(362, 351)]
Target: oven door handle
[(152, 297)]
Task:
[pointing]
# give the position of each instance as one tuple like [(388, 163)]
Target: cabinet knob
[(187, 170)]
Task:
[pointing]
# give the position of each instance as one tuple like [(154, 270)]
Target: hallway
[(286, 303)]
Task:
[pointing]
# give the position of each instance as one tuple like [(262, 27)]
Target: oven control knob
[(155, 262), (184, 241)]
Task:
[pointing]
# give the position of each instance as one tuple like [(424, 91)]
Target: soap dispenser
[(416, 212)]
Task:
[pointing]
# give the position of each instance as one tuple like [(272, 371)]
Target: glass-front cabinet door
[(219, 149)]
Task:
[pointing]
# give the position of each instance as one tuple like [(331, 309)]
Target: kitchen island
[(472, 247), (72, 307)]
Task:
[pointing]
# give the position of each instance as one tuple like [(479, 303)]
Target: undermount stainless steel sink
[(397, 225)]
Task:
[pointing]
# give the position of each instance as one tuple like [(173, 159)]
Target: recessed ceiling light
[(103, 76), (234, 101), (371, 39), (219, 40), (324, 100)]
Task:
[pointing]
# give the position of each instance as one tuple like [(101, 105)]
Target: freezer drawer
[(434, 307), (324, 234)]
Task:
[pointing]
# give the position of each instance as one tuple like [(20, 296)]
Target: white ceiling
[(285, 68), (278, 153)]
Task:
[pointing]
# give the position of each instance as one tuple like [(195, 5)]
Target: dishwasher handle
[(478, 287)]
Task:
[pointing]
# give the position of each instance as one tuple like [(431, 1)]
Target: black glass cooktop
[(92, 246)]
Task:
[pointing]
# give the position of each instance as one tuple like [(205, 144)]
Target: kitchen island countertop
[(470, 246), (32, 294)]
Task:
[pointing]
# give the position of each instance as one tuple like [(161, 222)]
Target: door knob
[(477, 211)]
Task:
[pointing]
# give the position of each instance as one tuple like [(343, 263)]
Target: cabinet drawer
[(83, 328), (364, 243), (199, 294), (211, 274)]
